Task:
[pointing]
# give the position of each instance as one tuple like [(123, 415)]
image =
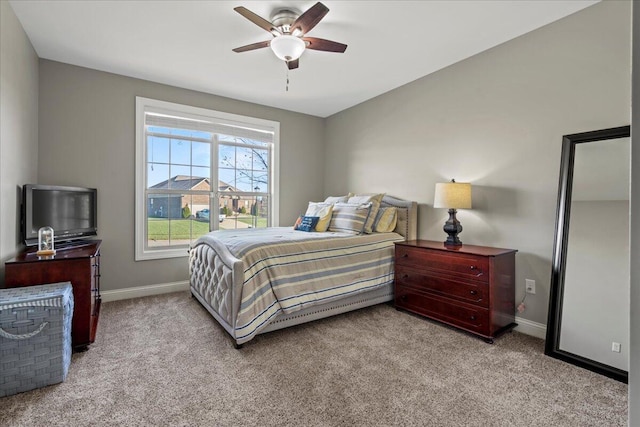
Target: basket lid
[(50, 295)]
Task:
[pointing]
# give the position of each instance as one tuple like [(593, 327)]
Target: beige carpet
[(164, 361)]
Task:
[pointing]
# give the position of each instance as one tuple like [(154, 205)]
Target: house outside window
[(199, 170)]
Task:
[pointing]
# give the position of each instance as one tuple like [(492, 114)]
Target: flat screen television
[(71, 212)]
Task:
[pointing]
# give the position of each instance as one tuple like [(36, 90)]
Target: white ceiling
[(188, 43)]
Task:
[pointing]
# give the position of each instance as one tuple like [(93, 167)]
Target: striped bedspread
[(287, 270)]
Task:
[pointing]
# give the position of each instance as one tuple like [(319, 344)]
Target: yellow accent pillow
[(322, 210), (386, 220)]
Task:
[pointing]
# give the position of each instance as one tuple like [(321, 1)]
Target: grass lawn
[(262, 222), (158, 228)]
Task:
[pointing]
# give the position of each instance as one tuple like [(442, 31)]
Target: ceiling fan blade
[(258, 20), (310, 18), (324, 45), (252, 46), (292, 65)]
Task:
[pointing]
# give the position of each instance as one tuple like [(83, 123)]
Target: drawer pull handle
[(405, 255), (473, 292), (473, 267), (473, 317), (405, 276)]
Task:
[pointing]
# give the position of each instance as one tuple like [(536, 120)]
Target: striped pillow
[(386, 220), (349, 217), (375, 200)]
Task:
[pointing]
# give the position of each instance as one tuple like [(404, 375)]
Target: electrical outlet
[(615, 347), (530, 286)]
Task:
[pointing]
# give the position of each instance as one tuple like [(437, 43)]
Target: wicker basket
[(35, 336)]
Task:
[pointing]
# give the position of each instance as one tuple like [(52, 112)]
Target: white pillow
[(336, 199), (321, 210)]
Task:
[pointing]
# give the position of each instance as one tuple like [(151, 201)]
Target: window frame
[(143, 105)]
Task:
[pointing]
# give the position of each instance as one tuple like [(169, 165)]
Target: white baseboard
[(529, 327), (525, 326), (144, 291)]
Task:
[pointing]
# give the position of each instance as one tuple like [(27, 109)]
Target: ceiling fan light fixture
[(287, 47)]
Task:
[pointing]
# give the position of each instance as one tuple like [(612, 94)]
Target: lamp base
[(452, 227)]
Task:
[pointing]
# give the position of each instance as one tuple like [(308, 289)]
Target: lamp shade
[(287, 47), (452, 195)]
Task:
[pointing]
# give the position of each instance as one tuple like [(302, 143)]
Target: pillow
[(298, 222), (386, 220), (349, 217), (336, 199), (375, 200), (321, 210), (307, 223)]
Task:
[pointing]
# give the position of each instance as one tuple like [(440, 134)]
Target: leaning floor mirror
[(588, 323)]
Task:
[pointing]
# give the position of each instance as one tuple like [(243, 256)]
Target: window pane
[(260, 211), (176, 220), (180, 152), (200, 206), (243, 212), (260, 160), (201, 154), (199, 172), (244, 180), (227, 179), (244, 158), (180, 178), (157, 149), (226, 156), (260, 182), (157, 175), (157, 224)]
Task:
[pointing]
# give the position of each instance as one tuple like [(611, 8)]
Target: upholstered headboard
[(407, 224)]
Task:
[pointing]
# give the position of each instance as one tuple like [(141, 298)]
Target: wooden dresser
[(79, 265), (469, 287)]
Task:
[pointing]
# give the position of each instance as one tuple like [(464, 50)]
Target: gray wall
[(495, 120), (18, 126), (634, 365), (87, 121)]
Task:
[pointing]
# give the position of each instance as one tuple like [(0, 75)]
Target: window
[(199, 170)]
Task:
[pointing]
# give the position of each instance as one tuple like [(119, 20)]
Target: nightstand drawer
[(468, 291), (466, 265), (473, 319)]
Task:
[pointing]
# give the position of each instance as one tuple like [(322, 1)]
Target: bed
[(260, 280)]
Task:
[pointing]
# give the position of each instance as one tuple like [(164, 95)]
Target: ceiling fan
[(288, 29)]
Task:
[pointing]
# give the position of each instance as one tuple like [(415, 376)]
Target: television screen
[(70, 211)]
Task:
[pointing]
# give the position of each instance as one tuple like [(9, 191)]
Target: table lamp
[(452, 195)]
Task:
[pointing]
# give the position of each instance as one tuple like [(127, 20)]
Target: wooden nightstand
[(469, 287)]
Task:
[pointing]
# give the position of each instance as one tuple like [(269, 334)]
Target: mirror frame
[(556, 293)]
